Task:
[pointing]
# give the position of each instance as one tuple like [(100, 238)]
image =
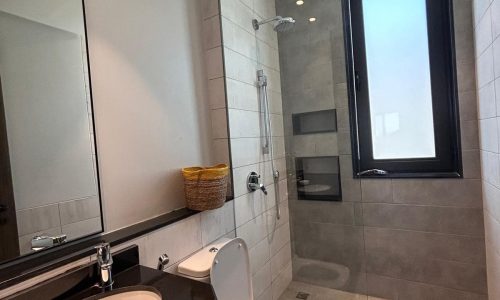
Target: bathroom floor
[(304, 291)]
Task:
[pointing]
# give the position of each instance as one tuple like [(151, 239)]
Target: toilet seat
[(226, 265), (198, 265), (230, 272)]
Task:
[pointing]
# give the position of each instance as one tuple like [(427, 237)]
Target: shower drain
[(303, 296)]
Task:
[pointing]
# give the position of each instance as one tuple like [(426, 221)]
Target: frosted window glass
[(397, 53)]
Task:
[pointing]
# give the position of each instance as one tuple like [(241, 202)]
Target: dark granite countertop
[(80, 283), (171, 287)]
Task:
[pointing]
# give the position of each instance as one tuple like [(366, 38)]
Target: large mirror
[(49, 191)]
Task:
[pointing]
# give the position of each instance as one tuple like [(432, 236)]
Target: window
[(402, 88)]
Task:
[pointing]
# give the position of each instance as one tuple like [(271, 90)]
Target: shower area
[(324, 200), (357, 238), (320, 232)]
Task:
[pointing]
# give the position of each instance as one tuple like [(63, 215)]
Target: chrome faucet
[(104, 264)]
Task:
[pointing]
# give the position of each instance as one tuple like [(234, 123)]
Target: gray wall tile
[(330, 243), (470, 136), (210, 8), (394, 288), (377, 190), (460, 193), (471, 161), (466, 76), (468, 106), (451, 220), (449, 274), (214, 63), (323, 212), (429, 245)]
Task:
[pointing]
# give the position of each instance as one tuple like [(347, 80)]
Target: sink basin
[(130, 293)]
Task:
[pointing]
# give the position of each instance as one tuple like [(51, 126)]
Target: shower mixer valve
[(253, 183)]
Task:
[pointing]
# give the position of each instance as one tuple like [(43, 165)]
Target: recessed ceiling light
[(313, 19), (299, 2)]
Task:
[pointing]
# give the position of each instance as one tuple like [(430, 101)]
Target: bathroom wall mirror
[(49, 187)]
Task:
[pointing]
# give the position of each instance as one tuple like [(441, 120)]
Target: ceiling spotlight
[(313, 19), (299, 2)]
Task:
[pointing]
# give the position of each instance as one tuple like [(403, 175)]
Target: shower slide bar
[(268, 137)]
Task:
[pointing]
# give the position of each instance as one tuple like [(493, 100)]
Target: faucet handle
[(263, 188), (104, 254)]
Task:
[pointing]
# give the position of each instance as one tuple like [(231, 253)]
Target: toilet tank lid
[(199, 264)]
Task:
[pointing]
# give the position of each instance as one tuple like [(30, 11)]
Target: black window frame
[(448, 160)]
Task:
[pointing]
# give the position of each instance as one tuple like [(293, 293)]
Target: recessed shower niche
[(315, 122), (318, 178)]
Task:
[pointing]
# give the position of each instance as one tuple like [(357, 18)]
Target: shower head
[(280, 24), (284, 24)]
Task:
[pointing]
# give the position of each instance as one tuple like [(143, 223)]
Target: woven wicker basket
[(205, 188)]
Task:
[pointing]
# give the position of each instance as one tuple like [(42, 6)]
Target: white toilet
[(225, 265)]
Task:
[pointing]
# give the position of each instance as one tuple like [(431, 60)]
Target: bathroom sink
[(130, 293)]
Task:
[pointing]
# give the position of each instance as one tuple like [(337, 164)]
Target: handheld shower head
[(280, 24)]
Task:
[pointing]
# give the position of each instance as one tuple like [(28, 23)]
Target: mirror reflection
[(49, 191)]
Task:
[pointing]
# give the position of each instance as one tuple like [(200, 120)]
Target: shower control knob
[(254, 184)]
